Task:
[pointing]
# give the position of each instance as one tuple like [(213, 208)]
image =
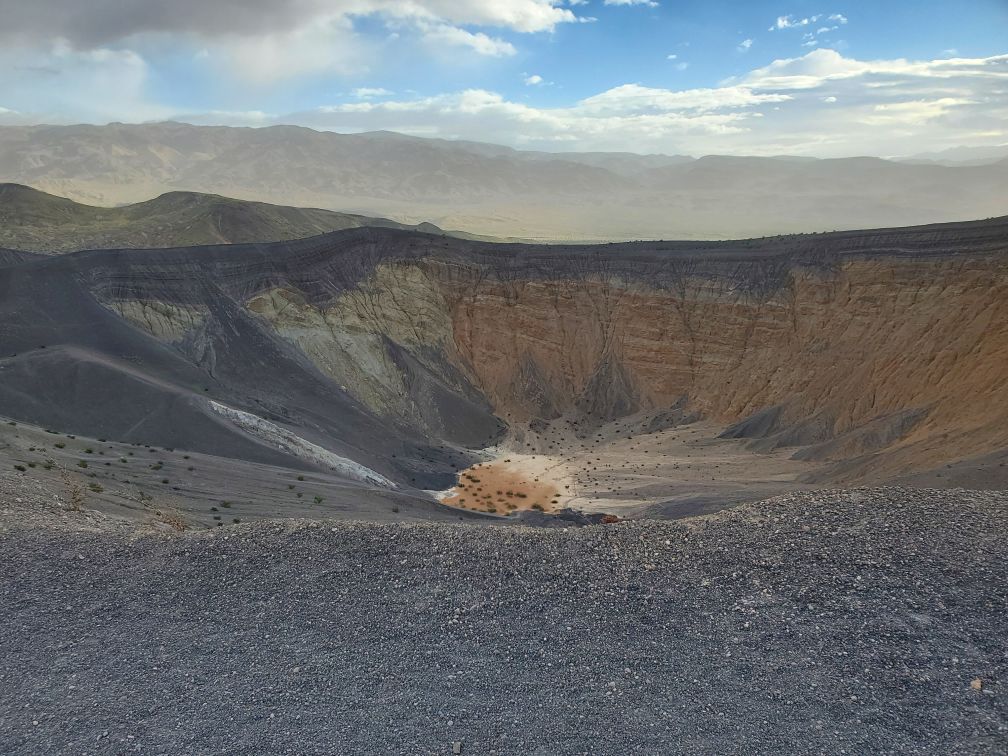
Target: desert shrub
[(75, 494), (318, 499), (96, 487), (173, 518), (82, 464), (59, 445), (20, 468)]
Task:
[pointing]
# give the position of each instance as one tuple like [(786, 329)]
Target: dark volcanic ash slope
[(879, 354), (853, 621)]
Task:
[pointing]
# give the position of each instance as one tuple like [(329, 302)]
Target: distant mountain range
[(490, 189), (34, 221)]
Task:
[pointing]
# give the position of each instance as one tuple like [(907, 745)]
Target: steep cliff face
[(877, 355), (830, 353), (888, 362)]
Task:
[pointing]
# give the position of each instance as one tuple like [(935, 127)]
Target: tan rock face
[(874, 338), (836, 349)]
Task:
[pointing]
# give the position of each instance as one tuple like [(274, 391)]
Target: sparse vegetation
[(74, 491), (173, 518)]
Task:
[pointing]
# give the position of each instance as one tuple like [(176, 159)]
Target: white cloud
[(533, 80), (646, 3), (634, 98), (444, 34), (366, 93), (819, 104), (671, 56), (266, 41), (810, 38), (101, 22), (744, 45), (94, 85), (327, 44), (790, 22)]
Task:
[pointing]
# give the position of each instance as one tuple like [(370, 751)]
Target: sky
[(825, 78)]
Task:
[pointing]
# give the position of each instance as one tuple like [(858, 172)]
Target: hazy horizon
[(990, 152)]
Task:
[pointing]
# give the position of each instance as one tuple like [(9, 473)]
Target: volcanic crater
[(390, 373)]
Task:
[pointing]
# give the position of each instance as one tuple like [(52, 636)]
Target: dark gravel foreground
[(832, 622)]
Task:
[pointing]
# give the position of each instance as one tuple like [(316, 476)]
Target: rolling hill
[(32, 220)]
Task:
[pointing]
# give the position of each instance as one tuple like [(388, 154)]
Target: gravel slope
[(816, 622)]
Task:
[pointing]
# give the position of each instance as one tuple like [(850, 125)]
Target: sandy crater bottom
[(618, 469)]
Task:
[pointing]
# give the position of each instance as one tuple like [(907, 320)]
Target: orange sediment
[(500, 488)]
